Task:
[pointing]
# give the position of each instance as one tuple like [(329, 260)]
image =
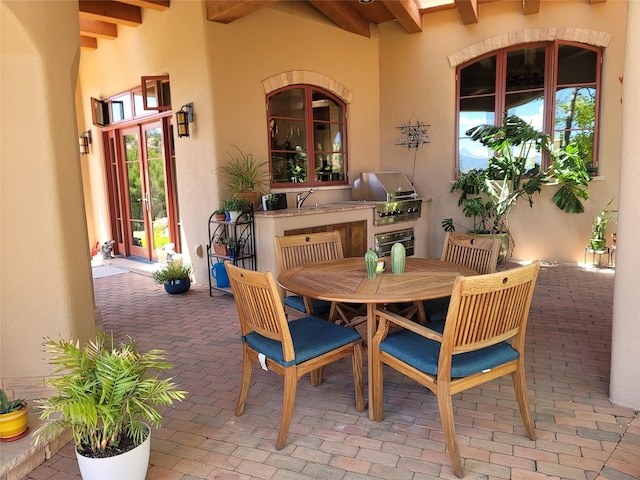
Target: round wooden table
[(345, 280)]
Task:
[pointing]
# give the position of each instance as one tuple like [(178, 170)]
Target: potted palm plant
[(489, 195), (14, 418), (174, 276), (245, 176), (108, 395)]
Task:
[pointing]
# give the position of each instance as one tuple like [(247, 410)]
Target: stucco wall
[(221, 68), (46, 287), (416, 78)]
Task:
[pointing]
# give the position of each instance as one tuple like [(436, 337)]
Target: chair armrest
[(385, 317)]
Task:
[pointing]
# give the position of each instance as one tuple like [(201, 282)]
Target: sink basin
[(314, 207)]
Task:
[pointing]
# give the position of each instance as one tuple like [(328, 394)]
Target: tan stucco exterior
[(388, 79)]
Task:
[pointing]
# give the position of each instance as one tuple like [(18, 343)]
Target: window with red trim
[(554, 86), (307, 137)]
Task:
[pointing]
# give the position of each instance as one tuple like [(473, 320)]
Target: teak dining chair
[(481, 339), (295, 250), (478, 253), (291, 349)]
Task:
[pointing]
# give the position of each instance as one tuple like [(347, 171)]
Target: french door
[(142, 189)]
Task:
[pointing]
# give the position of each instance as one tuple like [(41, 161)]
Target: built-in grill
[(396, 199)]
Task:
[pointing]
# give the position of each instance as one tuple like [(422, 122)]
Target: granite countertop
[(312, 209)]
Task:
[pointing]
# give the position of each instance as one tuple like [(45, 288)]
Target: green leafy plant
[(244, 173), (489, 195), (219, 211), (108, 392), (599, 226), (7, 406), (235, 204), (172, 271)]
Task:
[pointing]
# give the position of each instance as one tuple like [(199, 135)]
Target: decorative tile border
[(294, 77), (545, 34)]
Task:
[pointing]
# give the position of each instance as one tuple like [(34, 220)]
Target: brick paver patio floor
[(580, 434)]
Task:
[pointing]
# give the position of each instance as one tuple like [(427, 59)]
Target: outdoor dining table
[(345, 280)]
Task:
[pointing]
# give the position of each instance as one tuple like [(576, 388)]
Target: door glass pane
[(136, 204), (157, 190), (134, 185)]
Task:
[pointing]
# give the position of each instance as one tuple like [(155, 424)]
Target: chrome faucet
[(300, 199)]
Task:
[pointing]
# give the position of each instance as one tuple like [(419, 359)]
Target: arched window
[(307, 137), (554, 86)]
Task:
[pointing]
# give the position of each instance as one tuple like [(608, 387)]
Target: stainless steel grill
[(396, 198)]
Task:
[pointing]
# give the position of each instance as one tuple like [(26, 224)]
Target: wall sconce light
[(84, 140), (184, 117)]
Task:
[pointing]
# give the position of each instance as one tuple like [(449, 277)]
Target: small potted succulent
[(174, 276), (220, 215), (13, 418)]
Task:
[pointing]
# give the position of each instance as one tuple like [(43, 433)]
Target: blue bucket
[(220, 274)]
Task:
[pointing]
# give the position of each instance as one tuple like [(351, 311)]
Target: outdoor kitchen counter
[(276, 222), (312, 209)]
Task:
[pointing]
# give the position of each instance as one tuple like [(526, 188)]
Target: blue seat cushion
[(297, 302), (422, 353), (311, 337)]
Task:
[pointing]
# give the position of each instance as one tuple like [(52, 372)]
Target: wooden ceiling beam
[(226, 11), (407, 12), (88, 43), (530, 6), (596, 1), (159, 5), (112, 12), (468, 11), (343, 15), (98, 29)]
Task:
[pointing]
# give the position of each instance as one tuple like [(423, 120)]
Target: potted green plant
[(244, 175), (220, 214), (174, 276), (108, 396), (489, 195), (599, 226), (235, 206), (14, 418)]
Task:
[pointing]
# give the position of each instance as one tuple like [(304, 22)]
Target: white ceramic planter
[(131, 465)]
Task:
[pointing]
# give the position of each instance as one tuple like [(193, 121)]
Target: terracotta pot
[(14, 425), (221, 250)]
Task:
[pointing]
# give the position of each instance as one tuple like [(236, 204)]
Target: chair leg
[(357, 375), (317, 376), (290, 385), (375, 404), (520, 386), (445, 407), (247, 368)]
